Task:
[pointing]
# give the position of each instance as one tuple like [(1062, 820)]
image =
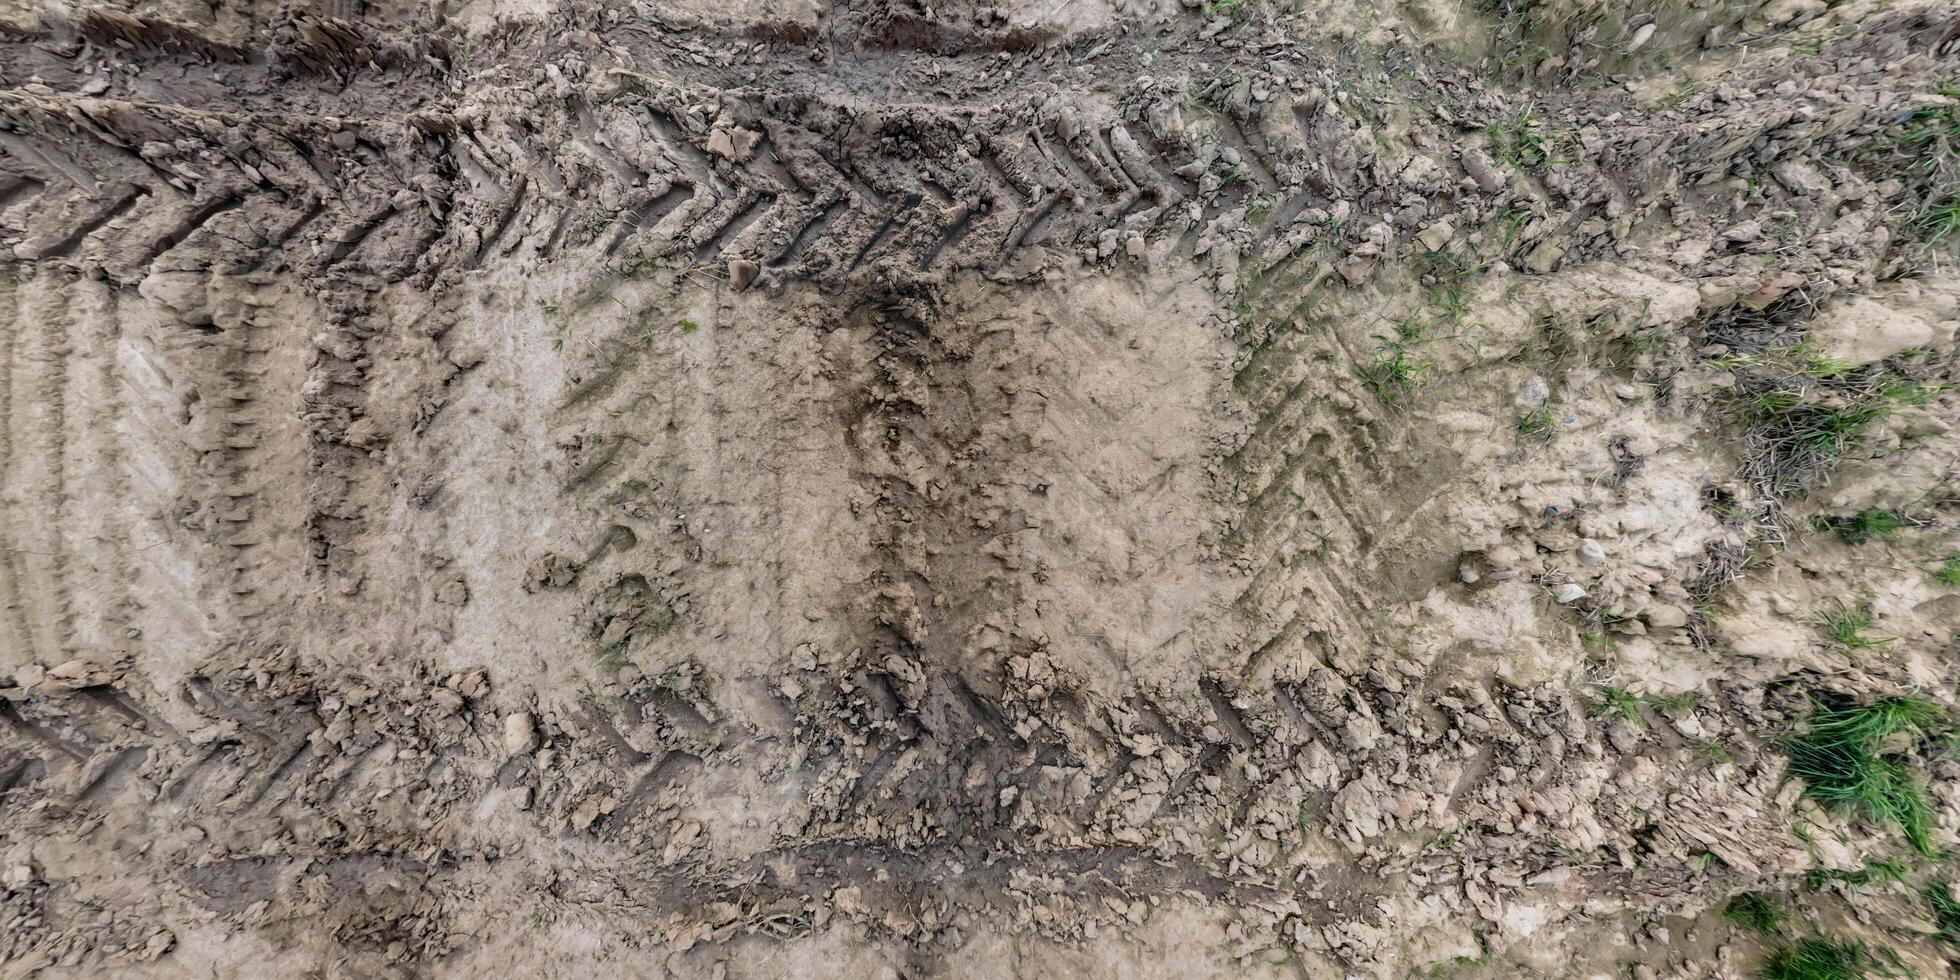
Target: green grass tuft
[(1757, 912), (1866, 525), (1948, 572), (1939, 221), (1882, 870), (1538, 423), (1844, 761), (1616, 702), (1823, 959), (1619, 703), (1524, 142), (1814, 428), (1820, 365), (1232, 9), (1396, 372), (1946, 912), (1846, 624)]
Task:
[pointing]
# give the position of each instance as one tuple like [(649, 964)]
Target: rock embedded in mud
[(1800, 178), (520, 733), (1744, 232), (1665, 616), (1437, 236), (1860, 331), (19, 874), (1545, 256), (1535, 392), (1780, 13), (75, 675), (1591, 553)]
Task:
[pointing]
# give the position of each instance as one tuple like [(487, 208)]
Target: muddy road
[(990, 489)]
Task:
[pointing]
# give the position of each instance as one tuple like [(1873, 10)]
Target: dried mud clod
[(979, 489)]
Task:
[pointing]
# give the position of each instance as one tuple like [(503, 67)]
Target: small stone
[(742, 272), (1355, 268), (1545, 256), (95, 86), (1569, 592), (520, 733), (1772, 289), (474, 684), (1640, 38), (1534, 393), (1777, 13), (1482, 172), (159, 944), (18, 875), (1590, 553), (1436, 236), (1747, 231), (1557, 541), (74, 676), (1800, 178), (1666, 617), (1468, 573)]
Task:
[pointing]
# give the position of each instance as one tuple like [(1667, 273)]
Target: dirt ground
[(995, 488)]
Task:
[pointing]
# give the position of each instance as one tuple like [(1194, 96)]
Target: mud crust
[(305, 566)]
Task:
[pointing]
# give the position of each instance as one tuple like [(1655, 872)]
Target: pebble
[(1747, 231), (1666, 617), (520, 733), (1801, 178), (1570, 592), (1590, 553), (1534, 393), (1437, 236), (1545, 256)]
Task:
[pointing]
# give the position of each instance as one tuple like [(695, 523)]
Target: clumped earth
[(995, 488)]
